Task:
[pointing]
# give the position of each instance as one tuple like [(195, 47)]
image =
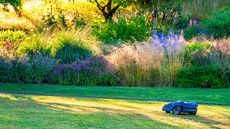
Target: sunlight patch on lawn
[(208, 116), (10, 97)]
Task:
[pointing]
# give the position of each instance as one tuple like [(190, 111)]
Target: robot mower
[(179, 107)]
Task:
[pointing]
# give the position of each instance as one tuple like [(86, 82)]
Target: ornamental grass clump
[(68, 50), (69, 47), (36, 44), (149, 63)]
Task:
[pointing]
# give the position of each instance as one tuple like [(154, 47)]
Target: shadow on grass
[(25, 112), (55, 112), (205, 120)]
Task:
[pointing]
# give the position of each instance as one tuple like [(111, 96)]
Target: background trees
[(15, 3)]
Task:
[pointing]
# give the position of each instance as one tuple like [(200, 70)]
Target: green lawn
[(205, 96), (51, 112), (45, 109)]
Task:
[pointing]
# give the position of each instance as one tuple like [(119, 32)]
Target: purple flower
[(59, 68), (92, 65), (171, 40)]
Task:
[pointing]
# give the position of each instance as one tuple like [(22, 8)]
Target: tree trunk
[(107, 10), (155, 16), (17, 11)]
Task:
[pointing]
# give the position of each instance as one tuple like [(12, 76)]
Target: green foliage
[(217, 25), (204, 55), (135, 29), (69, 77), (201, 77), (67, 49), (12, 36), (168, 15), (15, 3), (79, 22), (34, 45), (54, 17), (198, 53), (201, 8), (227, 74), (182, 21), (5, 67), (191, 32), (20, 72)]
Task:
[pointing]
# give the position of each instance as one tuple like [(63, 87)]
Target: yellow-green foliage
[(11, 36), (33, 45), (81, 36)]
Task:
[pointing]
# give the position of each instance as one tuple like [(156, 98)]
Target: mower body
[(181, 107)]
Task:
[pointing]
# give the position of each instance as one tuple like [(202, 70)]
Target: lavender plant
[(92, 71), (24, 69), (42, 68)]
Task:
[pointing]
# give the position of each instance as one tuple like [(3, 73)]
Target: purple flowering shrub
[(42, 68), (13, 70), (92, 71), (23, 69)]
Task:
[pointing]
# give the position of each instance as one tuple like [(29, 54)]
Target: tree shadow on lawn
[(64, 112), (24, 112), (215, 122)]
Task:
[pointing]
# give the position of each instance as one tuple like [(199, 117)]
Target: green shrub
[(68, 50), (198, 53), (12, 36), (21, 71), (169, 16), (34, 45), (5, 68), (135, 29), (69, 77), (182, 21), (227, 74), (79, 22), (191, 32), (217, 25), (201, 77)]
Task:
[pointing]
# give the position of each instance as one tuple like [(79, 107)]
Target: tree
[(15, 3), (109, 7)]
